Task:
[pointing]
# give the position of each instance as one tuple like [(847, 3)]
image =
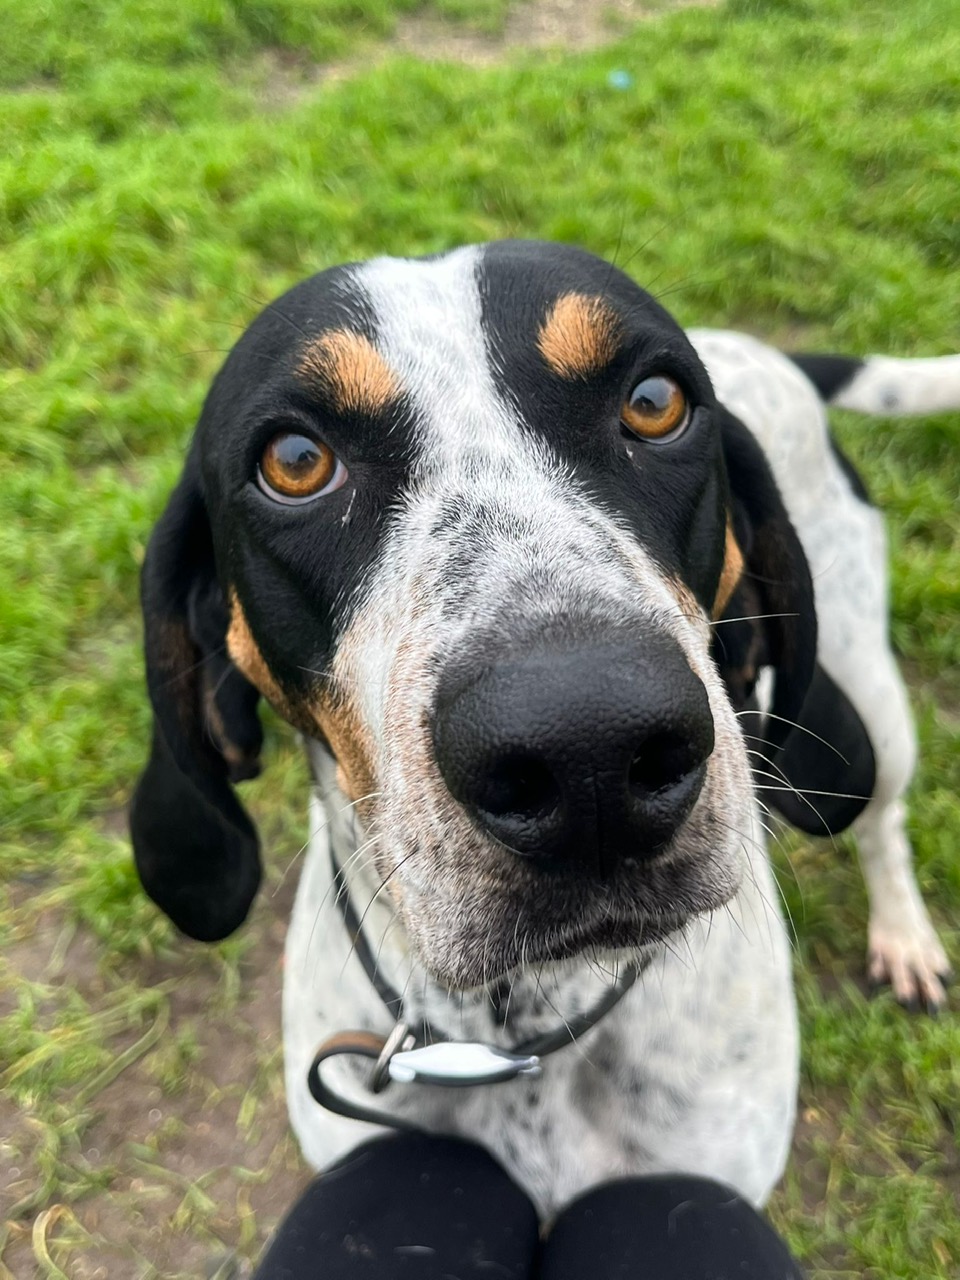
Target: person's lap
[(419, 1207)]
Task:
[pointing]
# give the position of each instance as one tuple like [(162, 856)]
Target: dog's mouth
[(595, 939), (475, 932)]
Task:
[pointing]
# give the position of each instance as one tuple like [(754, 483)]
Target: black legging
[(415, 1207)]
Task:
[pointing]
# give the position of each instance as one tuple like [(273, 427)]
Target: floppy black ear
[(196, 849), (774, 593), (820, 769), (828, 766)]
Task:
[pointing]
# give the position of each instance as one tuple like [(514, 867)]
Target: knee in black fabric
[(410, 1205), (664, 1228)]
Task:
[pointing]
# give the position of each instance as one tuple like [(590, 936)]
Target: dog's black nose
[(579, 756)]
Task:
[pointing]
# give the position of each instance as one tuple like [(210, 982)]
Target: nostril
[(661, 762), (517, 786)]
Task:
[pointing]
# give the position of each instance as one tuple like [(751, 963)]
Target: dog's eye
[(295, 468), (656, 409)]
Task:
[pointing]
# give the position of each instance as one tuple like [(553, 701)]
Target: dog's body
[(695, 1068), (497, 505), (846, 547)]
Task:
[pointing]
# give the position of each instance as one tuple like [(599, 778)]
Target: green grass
[(792, 168)]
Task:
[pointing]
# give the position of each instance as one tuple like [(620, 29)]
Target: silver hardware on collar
[(460, 1063), (400, 1038)]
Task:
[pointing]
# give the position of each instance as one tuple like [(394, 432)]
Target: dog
[(564, 602)]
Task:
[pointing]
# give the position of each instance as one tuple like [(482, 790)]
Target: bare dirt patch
[(538, 24), (185, 1163), (546, 25)]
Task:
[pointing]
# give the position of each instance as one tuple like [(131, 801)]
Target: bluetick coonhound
[(563, 600)]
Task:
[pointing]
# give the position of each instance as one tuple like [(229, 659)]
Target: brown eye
[(656, 409), (296, 468)]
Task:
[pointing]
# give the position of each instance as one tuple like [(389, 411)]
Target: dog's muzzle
[(577, 756)]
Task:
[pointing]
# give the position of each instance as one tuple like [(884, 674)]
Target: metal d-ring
[(400, 1038)]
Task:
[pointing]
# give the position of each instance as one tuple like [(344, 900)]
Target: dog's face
[(466, 521)]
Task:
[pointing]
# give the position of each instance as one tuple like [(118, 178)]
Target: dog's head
[(466, 521)]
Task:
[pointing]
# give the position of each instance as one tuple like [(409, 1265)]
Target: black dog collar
[(423, 1056)]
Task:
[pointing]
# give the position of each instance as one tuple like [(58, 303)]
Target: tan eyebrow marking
[(579, 336), (352, 370), (730, 574)]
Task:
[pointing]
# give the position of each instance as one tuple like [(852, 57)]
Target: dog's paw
[(908, 957)]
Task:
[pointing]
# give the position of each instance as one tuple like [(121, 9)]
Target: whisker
[(518, 945), (383, 884), (780, 776), (353, 863), (753, 881), (312, 671), (394, 920), (755, 737), (338, 883), (770, 912), (194, 666), (683, 283), (636, 253), (789, 861), (356, 862), (665, 942), (328, 818), (751, 617), (228, 670), (802, 727), (259, 302), (574, 1043), (760, 847), (225, 351), (783, 777), (809, 791), (736, 922)]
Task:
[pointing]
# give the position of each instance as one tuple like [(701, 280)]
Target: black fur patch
[(829, 374), (853, 476)]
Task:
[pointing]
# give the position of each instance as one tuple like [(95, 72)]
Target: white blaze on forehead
[(430, 332)]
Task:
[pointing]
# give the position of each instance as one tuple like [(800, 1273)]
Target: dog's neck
[(506, 1012)]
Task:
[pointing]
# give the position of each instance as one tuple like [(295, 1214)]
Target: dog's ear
[(772, 591), (196, 849)]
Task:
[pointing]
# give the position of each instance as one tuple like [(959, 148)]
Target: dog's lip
[(620, 933), (512, 946), (583, 920), (659, 896), (615, 941)]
